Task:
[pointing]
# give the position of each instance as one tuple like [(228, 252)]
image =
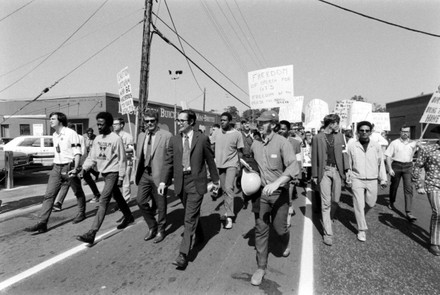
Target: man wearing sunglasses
[(188, 154), (367, 162), (152, 146)]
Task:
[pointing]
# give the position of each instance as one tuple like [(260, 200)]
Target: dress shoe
[(228, 223), (159, 237), (435, 249), (56, 207), (80, 217), (181, 261), (39, 227), (125, 222), (328, 240), (410, 217), (286, 252), (88, 237), (362, 236), (151, 234), (257, 277)]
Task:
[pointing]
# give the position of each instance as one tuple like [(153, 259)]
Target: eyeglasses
[(364, 130), (100, 124), (149, 121), (181, 121)]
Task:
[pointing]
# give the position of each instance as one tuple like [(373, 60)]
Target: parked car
[(20, 160), (39, 148), (3, 141)]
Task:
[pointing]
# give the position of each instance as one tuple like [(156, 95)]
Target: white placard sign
[(271, 87), (316, 110), (341, 109), (37, 129), (292, 112), (125, 96), (359, 111), (381, 121), (431, 114)]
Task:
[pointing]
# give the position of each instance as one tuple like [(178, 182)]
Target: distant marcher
[(247, 156), (429, 160), (108, 155), (328, 171), (399, 157), (89, 137), (66, 166), (367, 163)]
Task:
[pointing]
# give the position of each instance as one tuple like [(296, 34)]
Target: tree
[(378, 108), (358, 98), (234, 112)]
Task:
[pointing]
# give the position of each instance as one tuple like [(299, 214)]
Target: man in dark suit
[(187, 156), (152, 146), (328, 170)]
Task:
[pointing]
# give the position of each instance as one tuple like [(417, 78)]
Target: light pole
[(175, 76)]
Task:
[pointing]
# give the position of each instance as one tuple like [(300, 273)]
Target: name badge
[(273, 156)]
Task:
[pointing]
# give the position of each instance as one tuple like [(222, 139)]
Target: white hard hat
[(250, 182)]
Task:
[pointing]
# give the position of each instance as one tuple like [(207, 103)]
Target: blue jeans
[(110, 189), (57, 177), (330, 188), (227, 181)]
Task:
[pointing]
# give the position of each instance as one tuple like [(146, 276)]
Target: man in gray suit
[(152, 146), (328, 167)]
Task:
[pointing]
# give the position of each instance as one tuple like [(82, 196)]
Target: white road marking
[(306, 274), (39, 267)]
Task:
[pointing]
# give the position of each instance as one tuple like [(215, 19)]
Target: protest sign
[(315, 112), (271, 87), (125, 96), (359, 111), (341, 109), (431, 114), (292, 112), (381, 121)]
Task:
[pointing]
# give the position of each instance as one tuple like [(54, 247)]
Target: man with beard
[(66, 165), (108, 155), (277, 165)]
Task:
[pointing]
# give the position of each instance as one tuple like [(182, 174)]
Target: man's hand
[(421, 191), (383, 184), (391, 172), (270, 188), (120, 182), (315, 180), (161, 189), (215, 187), (73, 173)]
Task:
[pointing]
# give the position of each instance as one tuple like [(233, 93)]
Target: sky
[(335, 54)]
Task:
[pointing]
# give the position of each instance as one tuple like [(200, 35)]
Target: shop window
[(4, 130), (25, 129)]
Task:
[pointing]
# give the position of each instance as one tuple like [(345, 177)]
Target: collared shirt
[(247, 142), (67, 144), (275, 158), (127, 139), (190, 135), (401, 150), (153, 137), (429, 159)]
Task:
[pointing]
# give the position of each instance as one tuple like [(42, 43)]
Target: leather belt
[(331, 165), (187, 172)]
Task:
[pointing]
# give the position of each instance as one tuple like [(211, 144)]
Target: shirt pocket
[(274, 162)]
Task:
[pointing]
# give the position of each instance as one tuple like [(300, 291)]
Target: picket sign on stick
[(431, 115)]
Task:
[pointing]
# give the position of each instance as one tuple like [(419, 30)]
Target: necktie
[(186, 151), (148, 150)]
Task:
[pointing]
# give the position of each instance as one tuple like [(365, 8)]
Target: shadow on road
[(22, 203)]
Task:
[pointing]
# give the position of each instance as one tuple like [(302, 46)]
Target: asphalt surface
[(393, 260)]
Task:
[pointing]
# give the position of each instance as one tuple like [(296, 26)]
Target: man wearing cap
[(399, 156), (328, 171), (428, 159), (366, 160), (277, 164), (247, 154)]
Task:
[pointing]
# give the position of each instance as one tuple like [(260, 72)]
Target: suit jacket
[(201, 154), (159, 150), (319, 155)]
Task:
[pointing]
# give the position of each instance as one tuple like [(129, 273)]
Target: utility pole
[(145, 62)]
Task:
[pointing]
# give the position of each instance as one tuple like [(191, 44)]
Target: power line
[(380, 20), (45, 90), (16, 10), (201, 55), (181, 46), (56, 49), (156, 31)]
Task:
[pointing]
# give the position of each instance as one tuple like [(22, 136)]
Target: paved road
[(394, 260)]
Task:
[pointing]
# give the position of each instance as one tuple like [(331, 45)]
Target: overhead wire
[(181, 45), (192, 47), (45, 90), (380, 20), (156, 31), (15, 11), (56, 49), (73, 41), (250, 31)]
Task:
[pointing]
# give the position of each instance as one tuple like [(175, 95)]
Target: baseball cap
[(268, 116)]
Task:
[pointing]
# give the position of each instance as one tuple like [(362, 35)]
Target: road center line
[(39, 267), (306, 273)]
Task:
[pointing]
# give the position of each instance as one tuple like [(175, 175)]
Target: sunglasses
[(181, 121), (150, 121), (364, 130)]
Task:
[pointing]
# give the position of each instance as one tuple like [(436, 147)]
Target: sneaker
[(328, 240), (411, 217), (88, 237), (94, 200), (362, 236), (257, 277), (435, 249), (56, 207), (228, 223)]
